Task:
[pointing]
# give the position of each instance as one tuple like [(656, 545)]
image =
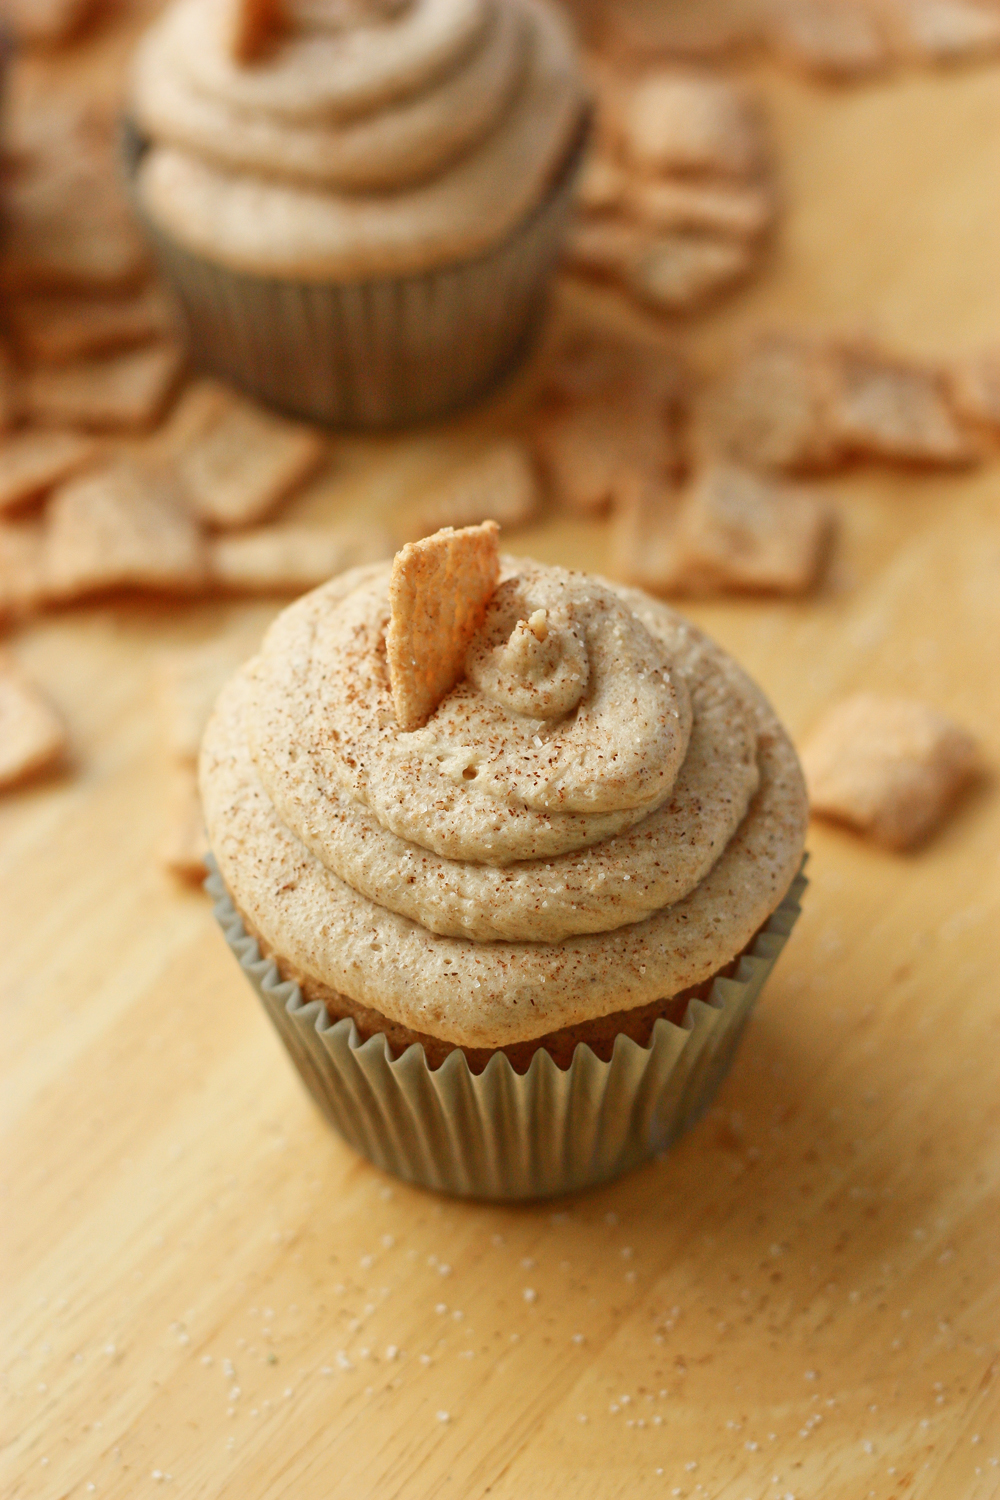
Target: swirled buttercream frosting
[(371, 138), (600, 814)]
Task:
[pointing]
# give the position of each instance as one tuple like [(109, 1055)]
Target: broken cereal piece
[(722, 207), (836, 39), (586, 449), (121, 392), (291, 559), (32, 735), (56, 330), (242, 461), (771, 409), (256, 26), (886, 409), (683, 272), (32, 461), (736, 533), (438, 594), (688, 121), (184, 848), (500, 486), (890, 767), (123, 526), (21, 580)]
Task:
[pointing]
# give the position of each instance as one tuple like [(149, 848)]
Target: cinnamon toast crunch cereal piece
[(36, 459), (683, 120), (586, 449), (835, 39), (500, 486), (890, 767), (601, 185), (605, 248), (772, 408), (32, 735), (244, 460), (721, 206), (56, 330), (291, 559), (21, 575), (682, 273), (184, 847), (886, 409), (123, 392), (438, 593), (644, 532), (736, 532), (641, 31), (123, 526)]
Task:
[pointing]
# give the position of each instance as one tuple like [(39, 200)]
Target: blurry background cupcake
[(358, 201)]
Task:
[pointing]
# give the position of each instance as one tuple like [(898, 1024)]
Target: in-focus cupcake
[(510, 949), (359, 202)]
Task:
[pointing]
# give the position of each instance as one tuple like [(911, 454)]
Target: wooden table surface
[(207, 1294)]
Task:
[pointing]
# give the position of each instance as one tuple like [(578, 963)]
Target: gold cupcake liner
[(376, 353), (501, 1134)]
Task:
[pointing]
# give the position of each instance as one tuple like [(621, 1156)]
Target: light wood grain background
[(201, 1284)]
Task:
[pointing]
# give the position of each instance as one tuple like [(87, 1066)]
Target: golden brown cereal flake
[(184, 847), (32, 735), (771, 408), (291, 559), (124, 526), (242, 461), (890, 767), (682, 273), (886, 409), (721, 206), (438, 593), (500, 486), (56, 330), (34, 460), (683, 120), (122, 392), (604, 248)]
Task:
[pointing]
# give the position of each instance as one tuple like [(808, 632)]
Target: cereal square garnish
[(771, 410), (32, 735), (890, 767), (882, 408), (241, 461), (736, 531), (56, 330), (184, 847), (499, 486), (122, 526), (291, 559), (683, 272), (438, 594), (119, 392), (830, 38), (32, 461), (682, 120), (20, 567)]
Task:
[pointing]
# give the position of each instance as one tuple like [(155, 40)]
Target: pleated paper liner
[(500, 1134), (380, 353)]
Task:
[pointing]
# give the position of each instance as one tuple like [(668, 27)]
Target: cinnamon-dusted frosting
[(600, 815), (371, 139)]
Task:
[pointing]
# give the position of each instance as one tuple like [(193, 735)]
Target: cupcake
[(508, 900), (359, 202)]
